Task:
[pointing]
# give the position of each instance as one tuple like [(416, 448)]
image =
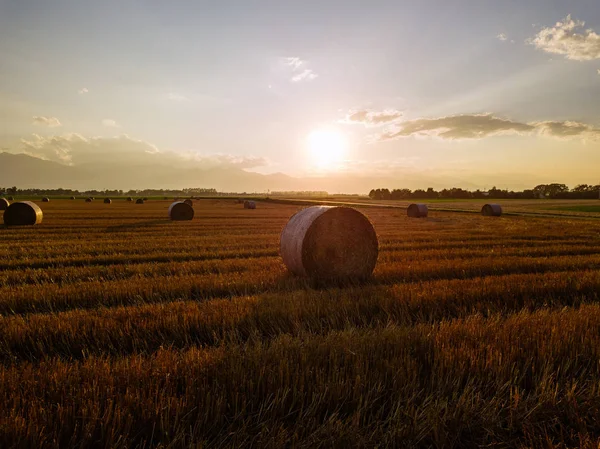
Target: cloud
[(502, 37), (177, 97), (83, 90), (368, 117), (297, 64), (110, 123), (76, 149), (50, 122), (570, 39), (479, 126), (306, 75), (293, 62)]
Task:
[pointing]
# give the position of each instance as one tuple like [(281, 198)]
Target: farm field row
[(120, 328)]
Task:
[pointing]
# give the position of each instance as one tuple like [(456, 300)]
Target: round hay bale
[(330, 243), (129, 199), (11, 198), (189, 202), (249, 204), (4, 203), (89, 200), (491, 210), (139, 201), (45, 200), (107, 201), (417, 211), (73, 198), (180, 211), (23, 213)]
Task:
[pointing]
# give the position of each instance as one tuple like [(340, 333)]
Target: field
[(121, 329)]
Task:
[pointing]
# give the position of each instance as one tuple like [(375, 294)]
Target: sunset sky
[(477, 92)]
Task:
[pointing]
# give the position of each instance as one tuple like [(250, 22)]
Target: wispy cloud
[(173, 96), (110, 123), (369, 117), (294, 62), (50, 122), (479, 126), (502, 37), (299, 70), (570, 39), (83, 90), (75, 149), (306, 75)]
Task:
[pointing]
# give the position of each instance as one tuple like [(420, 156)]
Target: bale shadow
[(138, 225)]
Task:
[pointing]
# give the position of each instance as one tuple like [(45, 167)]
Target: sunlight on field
[(471, 326)]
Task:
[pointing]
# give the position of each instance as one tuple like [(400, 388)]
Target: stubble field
[(121, 329)]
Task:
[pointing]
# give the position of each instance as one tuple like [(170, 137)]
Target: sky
[(474, 92)]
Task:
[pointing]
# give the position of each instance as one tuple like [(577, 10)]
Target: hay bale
[(491, 210), (249, 204), (417, 211), (89, 200), (73, 198), (107, 201), (45, 200), (129, 199), (4, 203), (23, 213), (11, 198), (180, 211), (330, 243), (189, 202), (139, 201)]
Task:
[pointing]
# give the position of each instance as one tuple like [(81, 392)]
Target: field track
[(121, 329)]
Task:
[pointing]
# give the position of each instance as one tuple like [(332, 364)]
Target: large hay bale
[(107, 201), (73, 198), (139, 201), (330, 243), (249, 204), (417, 211), (4, 203), (45, 200), (89, 200), (491, 210), (23, 213), (180, 210), (130, 199), (189, 202)]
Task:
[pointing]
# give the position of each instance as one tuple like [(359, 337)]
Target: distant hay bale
[(189, 202), (417, 211), (23, 213), (139, 201), (491, 210), (73, 198), (107, 201), (249, 205), (11, 198), (89, 200), (330, 243), (4, 203), (180, 211), (45, 200), (129, 199)]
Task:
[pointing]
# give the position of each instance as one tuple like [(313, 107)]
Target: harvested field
[(122, 328)]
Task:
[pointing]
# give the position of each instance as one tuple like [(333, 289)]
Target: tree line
[(554, 191)]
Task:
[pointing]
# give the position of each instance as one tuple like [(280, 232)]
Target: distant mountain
[(26, 171)]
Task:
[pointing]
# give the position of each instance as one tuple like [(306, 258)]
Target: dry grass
[(120, 328)]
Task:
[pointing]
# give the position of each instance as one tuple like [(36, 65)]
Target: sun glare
[(327, 148)]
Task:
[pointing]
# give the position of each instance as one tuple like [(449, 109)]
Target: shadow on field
[(137, 225)]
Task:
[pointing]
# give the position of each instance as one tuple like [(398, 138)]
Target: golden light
[(327, 147)]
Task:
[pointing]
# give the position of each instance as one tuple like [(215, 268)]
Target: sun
[(327, 147)]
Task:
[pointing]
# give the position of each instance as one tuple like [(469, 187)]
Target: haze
[(342, 96)]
